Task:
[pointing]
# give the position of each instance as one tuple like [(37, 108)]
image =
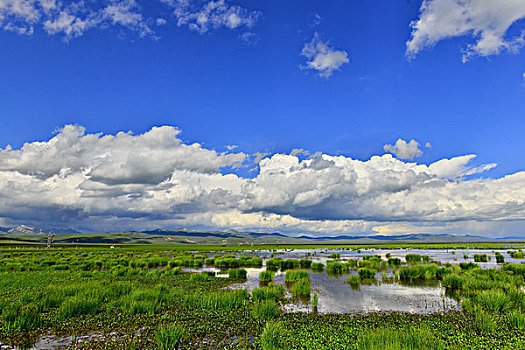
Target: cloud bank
[(487, 22), (127, 181)]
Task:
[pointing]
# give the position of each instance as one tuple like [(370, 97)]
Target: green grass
[(169, 337), (516, 319), (317, 266), (199, 277), (78, 305), (397, 339), (237, 274), (21, 318), (272, 292), (295, 275), (354, 279), (265, 310), (134, 288), (366, 273), (481, 258), (495, 301), (418, 272), (516, 254), (301, 288), (272, 337), (266, 276)]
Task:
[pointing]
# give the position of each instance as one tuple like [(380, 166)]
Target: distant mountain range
[(33, 234)]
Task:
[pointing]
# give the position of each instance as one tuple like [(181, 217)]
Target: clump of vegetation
[(394, 262), (467, 266), (500, 259), (301, 288), (418, 272), (413, 258), (237, 274), (317, 266), (265, 310), (516, 254), (335, 256), (453, 281), (398, 339), (354, 279), (271, 292), (169, 337), (481, 258), (266, 276), (295, 275), (289, 264), (315, 301), (272, 336), (273, 264), (305, 263), (336, 267), (495, 301), (365, 273), (516, 319), (199, 277), (21, 318)]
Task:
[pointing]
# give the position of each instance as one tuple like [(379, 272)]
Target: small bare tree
[(50, 239)]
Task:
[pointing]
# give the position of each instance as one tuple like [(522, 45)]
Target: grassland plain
[(138, 297)]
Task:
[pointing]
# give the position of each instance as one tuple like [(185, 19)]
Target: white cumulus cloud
[(95, 181), (404, 150), (322, 57), (486, 21)]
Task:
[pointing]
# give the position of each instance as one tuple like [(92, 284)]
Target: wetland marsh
[(268, 298)]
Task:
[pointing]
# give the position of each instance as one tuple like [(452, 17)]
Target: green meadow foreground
[(142, 297)]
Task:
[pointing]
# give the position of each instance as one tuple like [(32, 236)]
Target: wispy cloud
[(203, 16), (74, 19)]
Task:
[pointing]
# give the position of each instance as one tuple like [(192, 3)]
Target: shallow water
[(337, 296)]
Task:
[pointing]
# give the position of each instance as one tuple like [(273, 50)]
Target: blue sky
[(246, 81)]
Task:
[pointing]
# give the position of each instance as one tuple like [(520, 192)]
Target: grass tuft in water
[(266, 276), (295, 275), (237, 274)]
